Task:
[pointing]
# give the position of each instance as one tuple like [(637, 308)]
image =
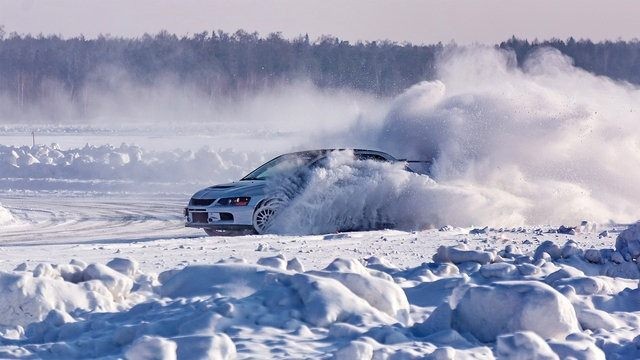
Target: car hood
[(238, 188)]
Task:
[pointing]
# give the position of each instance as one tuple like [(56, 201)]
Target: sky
[(415, 21)]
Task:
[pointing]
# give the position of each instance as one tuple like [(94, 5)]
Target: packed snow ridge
[(5, 216), (559, 301), (125, 163)]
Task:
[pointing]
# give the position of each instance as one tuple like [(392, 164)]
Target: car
[(248, 206)]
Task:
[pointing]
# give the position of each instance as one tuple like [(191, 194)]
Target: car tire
[(264, 214)]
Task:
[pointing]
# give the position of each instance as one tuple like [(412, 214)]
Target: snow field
[(512, 147), (552, 302)]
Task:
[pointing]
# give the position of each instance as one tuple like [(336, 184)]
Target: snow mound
[(124, 163), (505, 307), (217, 280), (119, 285), (5, 216), (320, 298), (27, 297), (326, 301), (382, 294), (356, 350), (150, 347), (628, 242), (524, 345), (460, 254)]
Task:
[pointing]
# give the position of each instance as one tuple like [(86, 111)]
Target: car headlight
[(234, 201)]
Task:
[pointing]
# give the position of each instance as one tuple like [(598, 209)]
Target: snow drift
[(462, 305)]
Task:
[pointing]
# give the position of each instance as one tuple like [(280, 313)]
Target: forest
[(33, 69)]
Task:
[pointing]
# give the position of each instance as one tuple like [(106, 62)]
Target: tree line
[(619, 60), (35, 68)]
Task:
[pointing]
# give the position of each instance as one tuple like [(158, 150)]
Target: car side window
[(374, 157), (320, 162)]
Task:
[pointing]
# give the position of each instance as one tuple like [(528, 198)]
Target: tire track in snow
[(73, 218)]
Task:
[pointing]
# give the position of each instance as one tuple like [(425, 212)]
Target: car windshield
[(282, 165)]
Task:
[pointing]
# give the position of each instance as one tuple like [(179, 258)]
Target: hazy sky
[(426, 21)]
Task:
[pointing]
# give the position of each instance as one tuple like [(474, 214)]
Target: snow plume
[(349, 194), (553, 142)]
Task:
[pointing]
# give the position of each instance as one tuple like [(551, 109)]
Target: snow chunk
[(126, 267), (524, 345), (548, 247), (594, 256), (326, 301), (459, 254), (295, 265), (593, 319), (524, 305), (443, 353), (498, 270), (25, 299), (356, 350), (628, 242), (231, 279), (567, 230), (278, 262), (382, 294), (56, 318), (152, 347), (570, 249), (216, 347), (118, 285), (578, 349)]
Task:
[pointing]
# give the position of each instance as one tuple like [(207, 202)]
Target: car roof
[(319, 152)]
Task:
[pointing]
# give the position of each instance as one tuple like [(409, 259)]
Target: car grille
[(201, 202), (200, 217)]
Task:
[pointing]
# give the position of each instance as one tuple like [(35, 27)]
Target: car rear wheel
[(264, 215)]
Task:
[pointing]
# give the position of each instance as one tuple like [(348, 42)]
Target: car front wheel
[(264, 215)]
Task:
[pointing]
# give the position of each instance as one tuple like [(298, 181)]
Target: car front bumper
[(220, 217)]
